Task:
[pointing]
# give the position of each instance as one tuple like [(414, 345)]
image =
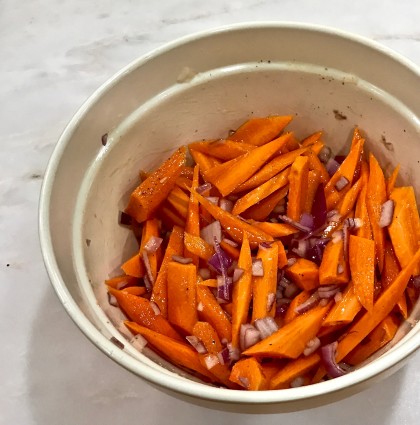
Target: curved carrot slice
[(222, 149), (298, 187), (147, 197), (276, 230)]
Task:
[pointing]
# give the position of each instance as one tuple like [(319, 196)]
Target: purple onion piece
[(212, 231), (294, 223), (387, 212), (332, 166), (224, 288), (311, 302), (153, 244), (224, 356), (342, 182), (182, 260), (204, 187), (197, 344), (257, 267), (248, 336), (307, 220), (266, 326), (416, 281), (237, 274), (220, 260), (328, 353)]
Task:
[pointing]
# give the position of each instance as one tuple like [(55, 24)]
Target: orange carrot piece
[(135, 290), (259, 131), (315, 164), (296, 301), (177, 352), (169, 217), (212, 283), (404, 229), (238, 170), (233, 225), (208, 336), (316, 148), (312, 186), (298, 187), (261, 192), (160, 287), (365, 231), (390, 272), (362, 269), (179, 201), (390, 184), (204, 161), (211, 311), (348, 202), (123, 280), (231, 250), (242, 290), (150, 230), (261, 210), (346, 170), (198, 247), (345, 310), (222, 149), (311, 139), (276, 230), (332, 263), (134, 266), (138, 310), (282, 259), (275, 166), (380, 336), (182, 296), (264, 287), (147, 197), (290, 340), (249, 374), (192, 225), (375, 197), (187, 172), (293, 370), (183, 182), (304, 273)]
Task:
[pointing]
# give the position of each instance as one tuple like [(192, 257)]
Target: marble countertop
[(54, 54)]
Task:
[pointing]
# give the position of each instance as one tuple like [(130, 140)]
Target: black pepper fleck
[(338, 115), (104, 139), (115, 341)]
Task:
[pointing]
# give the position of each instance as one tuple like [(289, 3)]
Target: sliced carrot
[(297, 300), (304, 273), (192, 225), (169, 217), (249, 374), (315, 164), (293, 370), (208, 336), (365, 231), (312, 186), (177, 352), (264, 208), (211, 311), (138, 310), (134, 266), (182, 296), (261, 192), (197, 246), (179, 201), (276, 230), (375, 198), (345, 310), (311, 139), (238, 170), (147, 197), (362, 269), (333, 269), (160, 287), (242, 290), (233, 225), (222, 149), (264, 287), (390, 184), (298, 187), (259, 131), (404, 229), (282, 260), (205, 162), (135, 290), (275, 166), (211, 283), (230, 249), (380, 336), (187, 172), (184, 182), (124, 280), (151, 230), (290, 340)]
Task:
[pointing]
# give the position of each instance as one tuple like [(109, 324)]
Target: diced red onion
[(153, 244), (316, 251), (230, 242), (271, 298), (338, 296), (257, 267), (122, 285), (224, 356), (337, 236), (211, 231), (312, 346), (265, 245), (196, 343), (138, 342), (147, 284), (213, 199), (332, 166), (266, 326), (204, 273), (325, 154), (323, 302), (340, 268), (226, 204), (200, 306), (155, 308), (353, 223), (125, 219), (307, 220), (294, 223), (328, 291), (319, 207), (291, 261), (234, 353), (112, 300), (203, 188), (237, 274), (387, 211), (333, 216), (244, 381), (148, 267), (311, 302), (291, 290), (224, 288), (416, 281), (297, 382), (341, 183), (248, 336), (302, 248), (220, 260), (211, 360), (182, 260), (282, 304), (328, 353)]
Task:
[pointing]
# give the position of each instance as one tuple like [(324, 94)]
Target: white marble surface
[(54, 53)]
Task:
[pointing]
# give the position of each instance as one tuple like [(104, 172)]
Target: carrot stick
[(196, 246), (316, 165), (249, 374), (150, 230), (311, 139), (276, 230), (182, 297), (184, 182), (231, 250), (298, 187), (312, 186), (261, 192), (304, 273), (259, 131), (169, 217), (234, 226), (296, 301), (229, 175), (179, 200), (211, 283), (211, 311), (282, 259), (333, 269), (242, 290), (222, 149), (204, 161), (135, 290), (365, 231), (177, 352), (123, 280), (261, 210), (138, 310), (147, 197), (134, 266), (375, 197), (208, 336), (275, 166), (292, 370), (390, 184), (290, 340), (264, 287)]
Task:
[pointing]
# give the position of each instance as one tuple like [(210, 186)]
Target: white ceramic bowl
[(195, 88)]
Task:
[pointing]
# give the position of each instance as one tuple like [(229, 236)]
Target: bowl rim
[(173, 381)]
